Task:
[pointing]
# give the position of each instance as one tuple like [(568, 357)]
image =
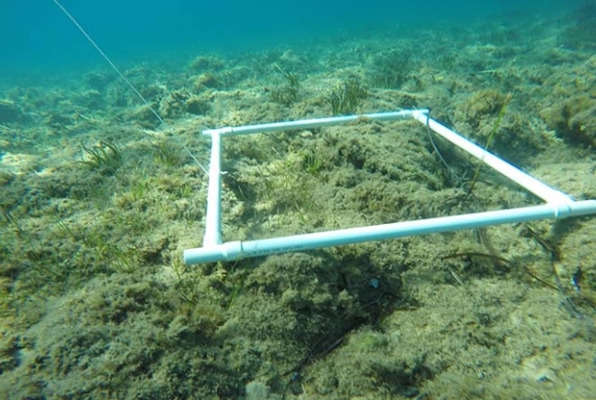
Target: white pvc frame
[(557, 204)]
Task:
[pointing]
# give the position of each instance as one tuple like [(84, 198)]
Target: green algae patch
[(93, 341)]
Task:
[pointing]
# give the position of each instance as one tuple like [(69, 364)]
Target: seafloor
[(98, 201)]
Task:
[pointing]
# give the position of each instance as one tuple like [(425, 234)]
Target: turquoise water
[(38, 37)]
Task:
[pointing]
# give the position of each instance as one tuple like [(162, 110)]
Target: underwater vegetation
[(391, 69), (286, 93), (582, 28), (574, 119), (346, 96), (98, 202), (104, 157)]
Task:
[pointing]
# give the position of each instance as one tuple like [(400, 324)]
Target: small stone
[(256, 391)]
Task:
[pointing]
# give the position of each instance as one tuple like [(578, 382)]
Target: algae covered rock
[(573, 120), (125, 336), (206, 62), (498, 121), (9, 112)]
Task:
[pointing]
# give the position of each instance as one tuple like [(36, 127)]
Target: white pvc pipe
[(237, 250), (559, 205), (310, 123), (528, 182), (212, 235)]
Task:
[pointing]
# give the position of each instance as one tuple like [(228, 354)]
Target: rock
[(9, 112), (256, 391)]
